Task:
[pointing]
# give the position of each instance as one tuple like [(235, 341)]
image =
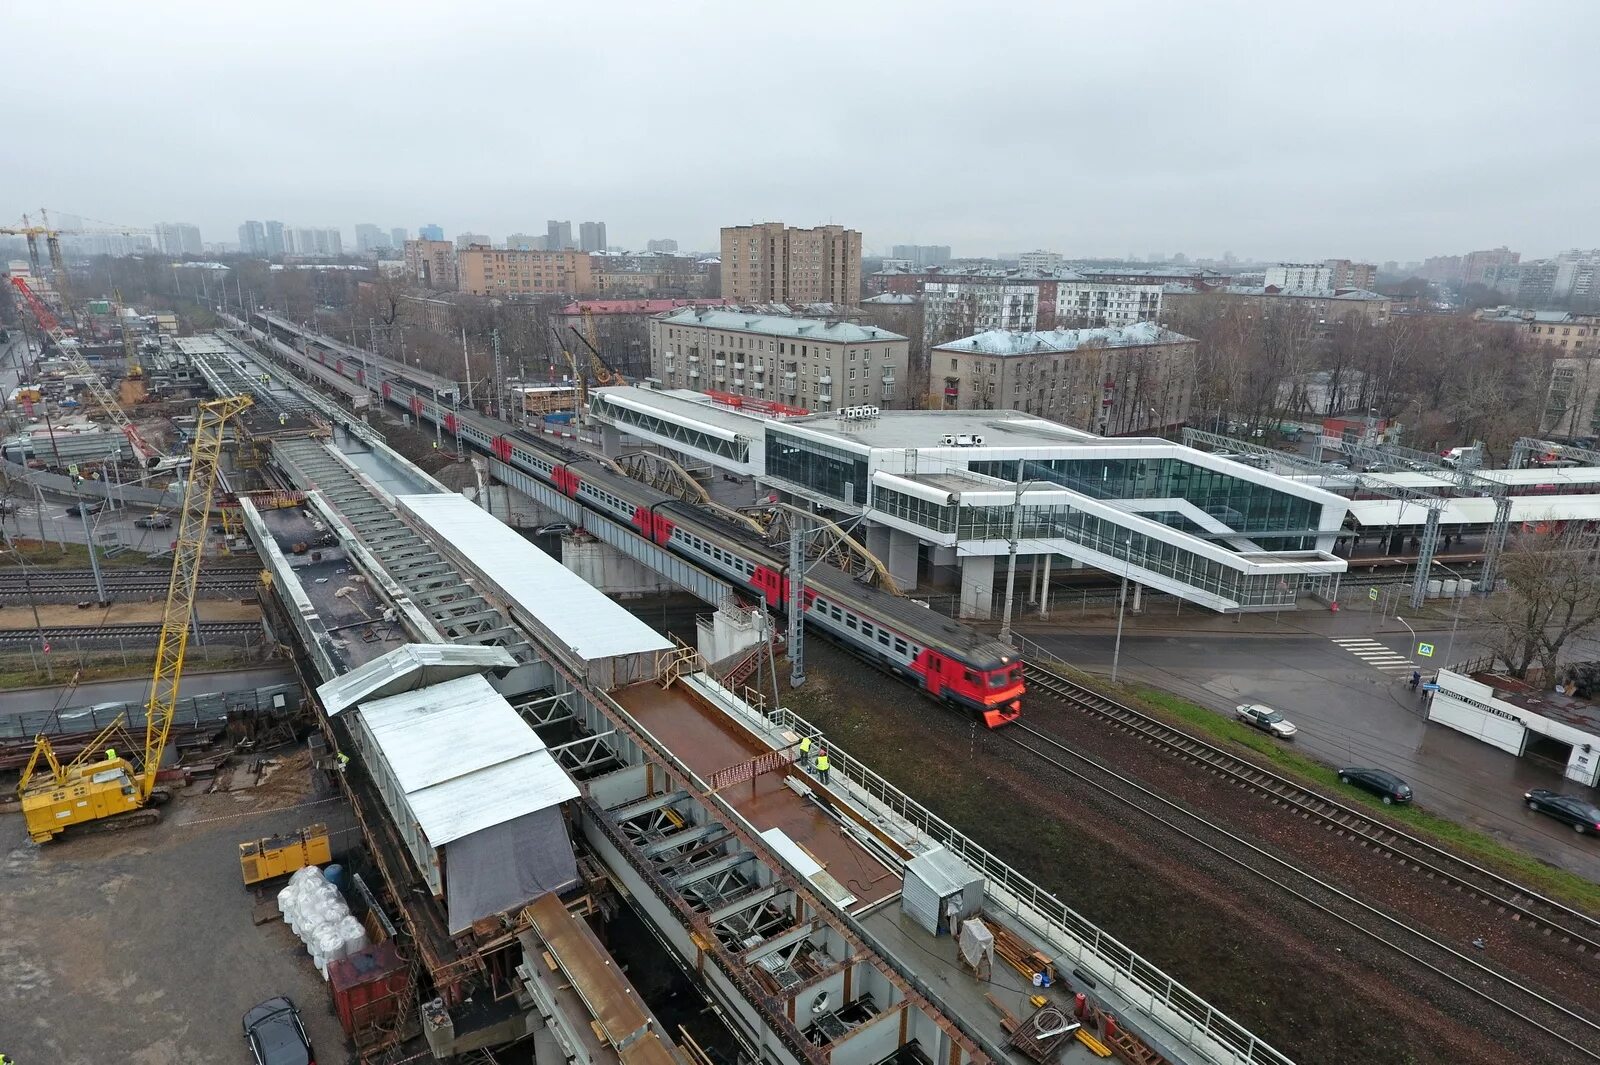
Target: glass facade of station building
[(1239, 539), (1219, 533), (1275, 519)]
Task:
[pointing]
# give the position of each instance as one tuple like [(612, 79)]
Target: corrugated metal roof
[(464, 758), (580, 616), (408, 667)]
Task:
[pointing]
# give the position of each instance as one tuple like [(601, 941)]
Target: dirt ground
[(1311, 991), (124, 614), (137, 947)]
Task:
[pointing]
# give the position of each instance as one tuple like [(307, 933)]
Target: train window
[(850, 621), (837, 614), (883, 638), (866, 628), (900, 647), (970, 677)]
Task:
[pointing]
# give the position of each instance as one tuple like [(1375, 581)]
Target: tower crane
[(101, 788)]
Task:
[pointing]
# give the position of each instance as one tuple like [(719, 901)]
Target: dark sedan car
[(275, 1034), (1582, 816), (1382, 783)]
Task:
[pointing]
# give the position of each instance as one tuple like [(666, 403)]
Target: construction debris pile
[(318, 914)]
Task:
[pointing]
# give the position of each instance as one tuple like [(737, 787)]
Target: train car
[(951, 662)]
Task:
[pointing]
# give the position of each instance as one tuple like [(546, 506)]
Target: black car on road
[(1581, 815), (1382, 783), (76, 509), (275, 1034)]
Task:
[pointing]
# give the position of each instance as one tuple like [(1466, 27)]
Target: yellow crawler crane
[(101, 788)]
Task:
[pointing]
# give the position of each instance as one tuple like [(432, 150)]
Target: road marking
[(1375, 654)]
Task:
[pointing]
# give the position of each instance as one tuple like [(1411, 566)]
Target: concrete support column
[(877, 540), (902, 559), (610, 441), (1033, 579), (977, 587), (1138, 598), (1044, 588), (942, 556)]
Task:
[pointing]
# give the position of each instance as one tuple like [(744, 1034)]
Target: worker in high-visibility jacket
[(805, 753), (822, 765)]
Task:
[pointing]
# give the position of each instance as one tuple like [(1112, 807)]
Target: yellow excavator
[(101, 788)]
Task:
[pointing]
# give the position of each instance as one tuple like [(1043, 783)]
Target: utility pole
[(798, 528), (466, 363), (88, 543), (1011, 561), (499, 376)]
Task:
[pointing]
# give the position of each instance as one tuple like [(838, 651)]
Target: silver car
[(1266, 719)]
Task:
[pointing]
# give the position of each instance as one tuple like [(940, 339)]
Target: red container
[(368, 988)]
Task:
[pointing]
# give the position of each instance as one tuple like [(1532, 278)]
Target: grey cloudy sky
[(1288, 130)]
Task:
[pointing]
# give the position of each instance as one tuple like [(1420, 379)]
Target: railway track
[(1574, 1032), (70, 586), (1512, 901), (78, 635)]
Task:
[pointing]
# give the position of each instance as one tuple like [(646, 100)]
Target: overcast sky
[(1390, 130)]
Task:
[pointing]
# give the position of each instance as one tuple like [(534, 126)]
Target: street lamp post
[(1122, 604), (1409, 629), (1455, 620)]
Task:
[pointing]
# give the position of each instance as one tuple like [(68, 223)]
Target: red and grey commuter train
[(948, 660)]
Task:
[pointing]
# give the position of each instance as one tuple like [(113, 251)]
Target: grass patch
[(1470, 843), (48, 555)]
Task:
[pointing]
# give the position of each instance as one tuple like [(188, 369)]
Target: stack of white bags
[(317, 913)]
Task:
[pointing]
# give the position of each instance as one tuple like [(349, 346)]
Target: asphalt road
[(1351, 712)]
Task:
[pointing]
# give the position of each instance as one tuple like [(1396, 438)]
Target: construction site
[(498, 817), (554, 832)]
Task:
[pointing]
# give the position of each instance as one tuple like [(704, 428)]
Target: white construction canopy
[(463, 757), (587, 623), (481, 786)]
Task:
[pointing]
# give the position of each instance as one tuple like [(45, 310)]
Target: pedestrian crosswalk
[(1376, 654)]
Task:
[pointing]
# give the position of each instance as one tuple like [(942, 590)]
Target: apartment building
[(811, 363), (1300, 277), (485, 271), (592, 236), (178, 238), (1086, 304), (1042, 261), (1323, 306), (1347, 274), (1110, 381), (432, 262), (973, 303), (775, 263)]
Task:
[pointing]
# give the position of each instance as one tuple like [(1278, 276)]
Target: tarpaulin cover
[(506, 866)]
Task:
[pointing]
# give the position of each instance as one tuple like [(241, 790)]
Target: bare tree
[(1552, 596)]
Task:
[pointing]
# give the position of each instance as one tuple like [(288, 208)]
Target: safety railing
[(1204, 1028)]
